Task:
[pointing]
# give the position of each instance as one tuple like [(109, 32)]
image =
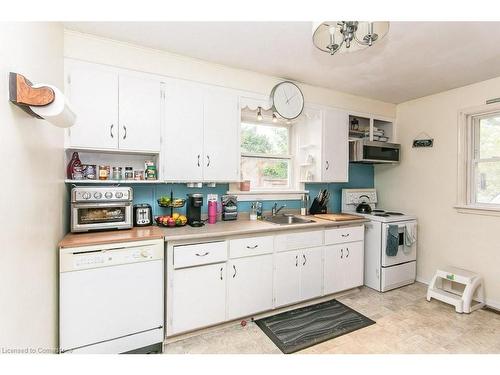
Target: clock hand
[(288, 101), (284, 93)]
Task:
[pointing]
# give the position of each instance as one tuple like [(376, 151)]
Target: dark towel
[(391, 249)]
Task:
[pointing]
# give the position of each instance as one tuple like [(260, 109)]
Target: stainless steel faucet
[(275, 209)]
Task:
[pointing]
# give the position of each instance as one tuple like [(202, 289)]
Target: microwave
[(101, 208), (372, 152)]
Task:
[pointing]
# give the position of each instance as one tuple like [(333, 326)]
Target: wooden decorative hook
[(23, 94)]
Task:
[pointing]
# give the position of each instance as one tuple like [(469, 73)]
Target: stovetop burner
[(394, 213), (382, 215)]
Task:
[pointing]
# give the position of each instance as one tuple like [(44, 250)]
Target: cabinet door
[(221, 141), (199, 297), (311, 273), (287, 278), (93, 93), (343, 267), (335, 146), (250, 286), (183, 132), (140, 114)]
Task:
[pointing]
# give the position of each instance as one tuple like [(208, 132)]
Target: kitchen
[(194, 204)]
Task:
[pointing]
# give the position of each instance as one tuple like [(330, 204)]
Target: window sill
[(267, 195), (478, 210)]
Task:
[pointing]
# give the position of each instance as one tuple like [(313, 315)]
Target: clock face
[(288, 100)]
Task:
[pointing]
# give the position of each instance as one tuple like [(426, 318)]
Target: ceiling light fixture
[(259, 114), (338, 36)]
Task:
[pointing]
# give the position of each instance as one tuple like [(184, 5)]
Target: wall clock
[(287, 99)]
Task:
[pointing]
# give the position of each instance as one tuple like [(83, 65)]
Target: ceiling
[(415, 59)]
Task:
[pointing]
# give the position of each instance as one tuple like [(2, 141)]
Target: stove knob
[(119, 194), (108, 195), (97, 195), (86, 195)]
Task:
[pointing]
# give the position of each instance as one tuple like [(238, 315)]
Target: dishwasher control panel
[(79, 259)]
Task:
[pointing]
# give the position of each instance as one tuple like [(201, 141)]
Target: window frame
[(468, 143), (292, 184)]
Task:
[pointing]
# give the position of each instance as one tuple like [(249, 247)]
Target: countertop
[(111, 236), (245, 226), (220, 229)]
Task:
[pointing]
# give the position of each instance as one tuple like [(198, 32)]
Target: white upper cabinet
[(335, 146), (93, 91), (221, 140), (182, 151), (140, 114), (115, 111), (323, 146), (201, 133)]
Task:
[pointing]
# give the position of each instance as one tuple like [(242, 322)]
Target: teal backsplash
[(360, 176)]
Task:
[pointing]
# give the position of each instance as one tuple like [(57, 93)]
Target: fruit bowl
[(171, 202), (171, 222)]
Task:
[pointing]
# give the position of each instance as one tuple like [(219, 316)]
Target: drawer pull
[(252, 247), (202, 255), (345, 235)]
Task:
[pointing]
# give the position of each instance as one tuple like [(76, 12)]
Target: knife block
[(317, 208)]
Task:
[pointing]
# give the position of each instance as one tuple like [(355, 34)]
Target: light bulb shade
[(322, 35)]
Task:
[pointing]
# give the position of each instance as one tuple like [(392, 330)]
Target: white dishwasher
[(111, 298)]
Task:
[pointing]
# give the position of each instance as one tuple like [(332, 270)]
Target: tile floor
[(406, 323)]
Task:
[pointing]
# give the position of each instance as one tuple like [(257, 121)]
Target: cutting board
[(338, 217)]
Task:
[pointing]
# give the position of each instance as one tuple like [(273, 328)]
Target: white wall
[(32, 195), (425, 183), (105, 51)]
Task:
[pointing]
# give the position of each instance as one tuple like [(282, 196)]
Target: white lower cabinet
[(343, 266), (298, 275), (249, 286), (198, 297), (287, 278)]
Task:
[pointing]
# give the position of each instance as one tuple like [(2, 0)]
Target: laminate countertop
[(220, 229), (111, 236), (245, 226)]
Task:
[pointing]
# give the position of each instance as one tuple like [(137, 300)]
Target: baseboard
[(495, 305)]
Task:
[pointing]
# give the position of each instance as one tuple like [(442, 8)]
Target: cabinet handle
[(221, 269), (208, 161), (198, 160), (202, 255), (296, 260), (345, 235), (234, 268), (305, 259), (252, 247), (341, 253), (111, 130), (327, 165), (125, 129), (347, 256)]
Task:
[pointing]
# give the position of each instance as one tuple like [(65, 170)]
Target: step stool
[(462, 302)]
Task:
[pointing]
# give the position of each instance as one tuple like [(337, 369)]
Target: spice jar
[(138, 175), (117, 173), (129, 173), (103, 172)]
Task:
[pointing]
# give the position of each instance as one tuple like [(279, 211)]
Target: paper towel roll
[(59, 112)]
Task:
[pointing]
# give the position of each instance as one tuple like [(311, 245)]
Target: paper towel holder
[(23, 94)]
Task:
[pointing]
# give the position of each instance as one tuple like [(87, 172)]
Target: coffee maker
[(193, 209)]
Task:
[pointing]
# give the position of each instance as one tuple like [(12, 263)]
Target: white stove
[(384, 270)]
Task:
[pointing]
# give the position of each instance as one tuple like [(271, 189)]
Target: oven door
[(97, 216), (405, 254)]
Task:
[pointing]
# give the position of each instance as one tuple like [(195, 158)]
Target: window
[(265, 155), (485, 160), (479, 160)]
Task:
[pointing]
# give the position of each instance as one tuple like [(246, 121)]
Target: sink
[(287, 220)]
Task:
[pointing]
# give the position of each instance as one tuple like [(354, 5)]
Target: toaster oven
[(101, 208)]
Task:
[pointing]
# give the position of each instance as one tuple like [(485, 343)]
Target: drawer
[(202, 253), (347, 234), (244, 247), (299, 240)]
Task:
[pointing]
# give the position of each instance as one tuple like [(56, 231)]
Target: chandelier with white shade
[(347, 36)]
